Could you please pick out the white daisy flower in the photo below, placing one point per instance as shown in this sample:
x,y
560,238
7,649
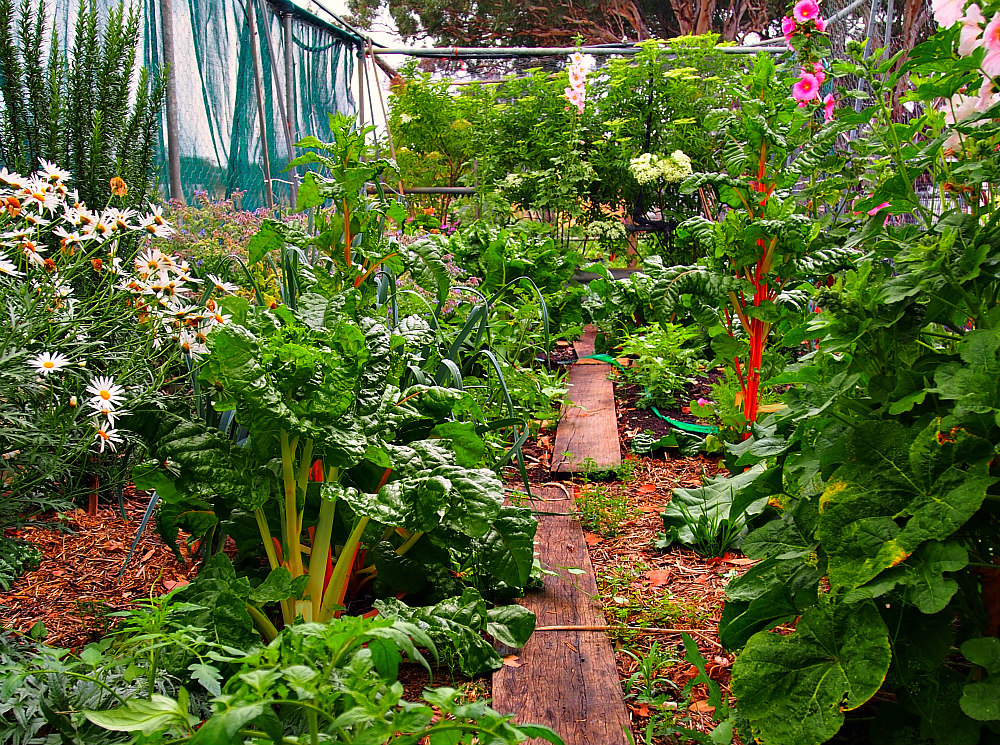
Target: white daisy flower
x,y
219,318
104,389
189,346
154,224
226,288
106,435
106,409
33,252
119,219
153,261
9,268
13,179
52,173
48,362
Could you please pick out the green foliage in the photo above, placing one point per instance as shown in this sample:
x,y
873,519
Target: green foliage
x,y
711,518
77,110
16,557
666,358
884,454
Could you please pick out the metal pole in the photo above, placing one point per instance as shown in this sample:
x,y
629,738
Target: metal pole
x,y
282,112
508,52
173,129
361,87
290,111
259,89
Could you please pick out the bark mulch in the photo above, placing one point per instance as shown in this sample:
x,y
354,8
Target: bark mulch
x,y
76,584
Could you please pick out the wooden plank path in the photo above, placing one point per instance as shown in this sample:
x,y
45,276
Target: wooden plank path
x,y
588,428
564,677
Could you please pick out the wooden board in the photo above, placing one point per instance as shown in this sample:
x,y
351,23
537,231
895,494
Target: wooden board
x,y
588,427
565,679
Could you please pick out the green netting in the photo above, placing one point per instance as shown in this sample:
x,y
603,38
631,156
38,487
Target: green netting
x,y
219,134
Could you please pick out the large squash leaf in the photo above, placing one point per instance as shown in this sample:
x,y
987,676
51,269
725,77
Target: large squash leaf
x,y
794,689
900,490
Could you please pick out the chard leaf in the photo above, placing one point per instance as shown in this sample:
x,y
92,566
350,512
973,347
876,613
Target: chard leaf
x,y
511,624
455,625
506,552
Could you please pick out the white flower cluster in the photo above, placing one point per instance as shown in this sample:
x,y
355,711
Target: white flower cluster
x,y
510,182
41,211
163,288
607,231
647,167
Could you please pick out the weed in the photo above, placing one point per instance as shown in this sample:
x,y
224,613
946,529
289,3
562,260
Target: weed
x,y
603,507
648,684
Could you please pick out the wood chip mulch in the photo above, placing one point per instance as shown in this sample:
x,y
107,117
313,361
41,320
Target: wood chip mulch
x,y
76,584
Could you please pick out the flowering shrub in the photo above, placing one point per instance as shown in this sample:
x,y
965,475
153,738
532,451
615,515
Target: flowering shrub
x,y
89,331
648,168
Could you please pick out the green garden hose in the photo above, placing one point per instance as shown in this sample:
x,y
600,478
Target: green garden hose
x,y
701,429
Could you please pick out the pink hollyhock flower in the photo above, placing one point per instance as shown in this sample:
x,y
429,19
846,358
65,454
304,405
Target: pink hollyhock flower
x,y
820,24
875,210
972,31
991,40
816,69
828,103
788,27
807,89
947,12
805,10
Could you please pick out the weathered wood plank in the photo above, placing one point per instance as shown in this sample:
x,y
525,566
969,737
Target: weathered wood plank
x,y
588,427
567,679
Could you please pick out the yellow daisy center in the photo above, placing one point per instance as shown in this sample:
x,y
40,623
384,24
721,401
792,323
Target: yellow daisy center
x,y
106,395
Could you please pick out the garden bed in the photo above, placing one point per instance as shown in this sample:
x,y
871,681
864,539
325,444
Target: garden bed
x,y
76,586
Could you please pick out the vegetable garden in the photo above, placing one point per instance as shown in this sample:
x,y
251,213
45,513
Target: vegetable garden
x,y
275,475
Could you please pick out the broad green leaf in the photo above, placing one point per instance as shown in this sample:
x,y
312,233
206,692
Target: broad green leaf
x,y
506,551
901,488
156,714
795,689
269,238
510,624
712,505
923,576
981,698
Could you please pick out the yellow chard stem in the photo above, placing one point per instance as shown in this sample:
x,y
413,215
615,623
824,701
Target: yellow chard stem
x,y
305,465
409,543
319,556
337,588
263,623
293,546
287,611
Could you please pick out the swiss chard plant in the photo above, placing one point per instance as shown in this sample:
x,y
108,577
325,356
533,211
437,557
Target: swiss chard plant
x,y
343,483
882,472
760,245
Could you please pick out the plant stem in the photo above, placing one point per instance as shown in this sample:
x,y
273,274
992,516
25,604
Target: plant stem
x,y
319,558
263,623
293,547
333,598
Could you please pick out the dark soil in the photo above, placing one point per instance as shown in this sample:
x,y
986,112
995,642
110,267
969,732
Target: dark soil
x,y
562,355
632,419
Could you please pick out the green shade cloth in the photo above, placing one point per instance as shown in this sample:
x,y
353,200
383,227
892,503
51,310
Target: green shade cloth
x,y
219,133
